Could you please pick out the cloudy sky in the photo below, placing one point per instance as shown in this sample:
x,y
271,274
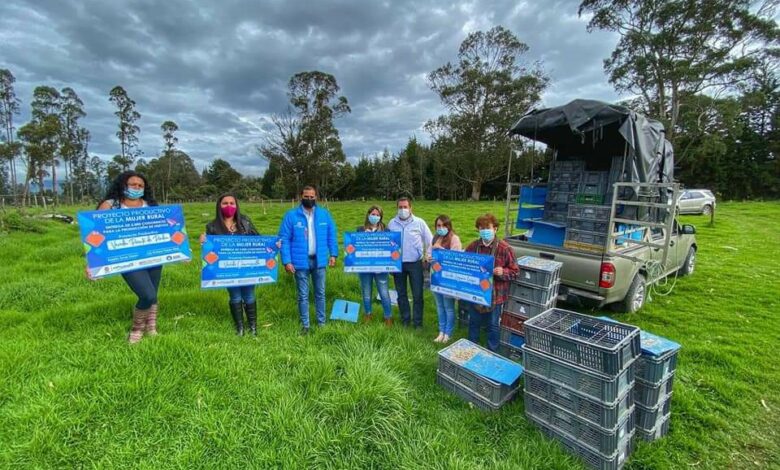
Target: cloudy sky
x,y
220,69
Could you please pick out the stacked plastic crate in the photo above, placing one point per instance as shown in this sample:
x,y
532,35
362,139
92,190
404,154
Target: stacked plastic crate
x,y
579,376
587,227
565,178
653,390
534,291
593,187
483,378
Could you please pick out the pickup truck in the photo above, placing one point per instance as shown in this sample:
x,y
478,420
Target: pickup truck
x,y
596,280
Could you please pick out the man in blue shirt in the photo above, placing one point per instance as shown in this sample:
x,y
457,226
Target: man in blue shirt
x,y
309,243
416,239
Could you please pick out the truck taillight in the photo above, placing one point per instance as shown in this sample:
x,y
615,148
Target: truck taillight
x,y
607,278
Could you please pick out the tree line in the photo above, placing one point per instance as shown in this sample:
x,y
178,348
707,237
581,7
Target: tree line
x,y
707,69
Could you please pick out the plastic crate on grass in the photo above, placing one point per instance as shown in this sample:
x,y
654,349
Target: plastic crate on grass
x,y
511,338
533,294
512,322
482,372
650,395
511,352
602,346
605,441
526,308
594,459
598,386
648,418
658,359
589,211
471,397
594,411
660,430
538,272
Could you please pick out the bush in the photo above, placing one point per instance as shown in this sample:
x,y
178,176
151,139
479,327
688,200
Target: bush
x,y
15,221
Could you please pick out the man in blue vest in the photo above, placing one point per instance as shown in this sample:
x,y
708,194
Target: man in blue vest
x,y
309,243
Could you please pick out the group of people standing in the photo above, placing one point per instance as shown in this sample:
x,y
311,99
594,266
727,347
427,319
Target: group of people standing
x,y
308,246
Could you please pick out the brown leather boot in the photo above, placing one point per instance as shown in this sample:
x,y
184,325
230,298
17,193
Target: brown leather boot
x,y
139,321
367,318
388,322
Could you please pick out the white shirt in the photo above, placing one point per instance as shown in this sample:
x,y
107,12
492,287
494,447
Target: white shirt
x,y
312,237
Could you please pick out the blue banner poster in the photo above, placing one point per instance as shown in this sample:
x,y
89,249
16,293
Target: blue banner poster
x,y
463,275
372,252
122,240
238,260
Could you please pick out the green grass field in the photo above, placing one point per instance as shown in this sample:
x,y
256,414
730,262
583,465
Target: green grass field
x,y
74,394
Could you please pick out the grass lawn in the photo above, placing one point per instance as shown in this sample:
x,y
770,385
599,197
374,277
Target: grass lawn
x,y
74,394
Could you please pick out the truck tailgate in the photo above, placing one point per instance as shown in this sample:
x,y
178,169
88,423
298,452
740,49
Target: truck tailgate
x,y
580,270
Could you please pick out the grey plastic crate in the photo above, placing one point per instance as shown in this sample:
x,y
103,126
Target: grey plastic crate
x,y
654,369
556,207
604,441
589,211
538,271
555,196
648,418
594,459
582,236
537,295
528,309
598,226
489,390
605,347
569,165
510,352
650,395
592,189
553,216
605,389
595,177
512,322
660,430
563,186
596,412
566,175
466,394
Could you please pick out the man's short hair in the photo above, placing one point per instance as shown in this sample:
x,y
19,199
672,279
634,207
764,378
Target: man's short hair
x,y
403,198
309,187
485,220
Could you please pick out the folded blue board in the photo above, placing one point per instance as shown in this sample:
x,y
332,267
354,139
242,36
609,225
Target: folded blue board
x,y
344,310
494,367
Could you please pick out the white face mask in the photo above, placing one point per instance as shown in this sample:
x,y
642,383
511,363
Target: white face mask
x,y
404,213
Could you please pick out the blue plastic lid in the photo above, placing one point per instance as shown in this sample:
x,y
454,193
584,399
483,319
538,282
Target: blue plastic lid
x,y
655,345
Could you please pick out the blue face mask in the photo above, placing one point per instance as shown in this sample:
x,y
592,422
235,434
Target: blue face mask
x,y
442,231
373,219
134,193
487,234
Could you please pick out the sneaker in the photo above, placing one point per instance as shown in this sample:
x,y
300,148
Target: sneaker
x,y
439,338
445,339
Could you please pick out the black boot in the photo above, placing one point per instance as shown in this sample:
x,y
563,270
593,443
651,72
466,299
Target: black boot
x,y
237,312
251,317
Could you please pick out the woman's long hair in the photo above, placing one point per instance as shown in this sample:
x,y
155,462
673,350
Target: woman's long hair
x,y
116,191
220,220
447,222
380,226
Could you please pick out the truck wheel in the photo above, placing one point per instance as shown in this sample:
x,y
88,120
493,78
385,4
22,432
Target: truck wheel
x,y
689,265
635,297
706,210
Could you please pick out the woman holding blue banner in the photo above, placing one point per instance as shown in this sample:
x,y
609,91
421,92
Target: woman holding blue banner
x,y
445,239
374,223
131,190
504,271
230,221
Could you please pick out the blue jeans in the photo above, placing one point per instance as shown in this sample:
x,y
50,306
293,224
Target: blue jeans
x,y
487,321
302,283
144,284
245,293
445,306
414,272
382,286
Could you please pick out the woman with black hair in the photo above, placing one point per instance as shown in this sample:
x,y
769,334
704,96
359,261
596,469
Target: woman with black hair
x,y
230,221
131,190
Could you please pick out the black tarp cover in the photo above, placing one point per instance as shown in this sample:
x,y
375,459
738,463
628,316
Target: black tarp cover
x,y
581,126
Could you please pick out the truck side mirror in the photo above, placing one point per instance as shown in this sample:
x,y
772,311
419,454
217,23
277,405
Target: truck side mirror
x,y
688,229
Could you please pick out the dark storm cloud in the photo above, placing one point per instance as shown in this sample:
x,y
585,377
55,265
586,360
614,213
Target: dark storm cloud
x,y
220,70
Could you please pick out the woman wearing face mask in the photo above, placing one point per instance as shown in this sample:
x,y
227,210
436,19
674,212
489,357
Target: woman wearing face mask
x,y
504,271
130,190
445,239
230,221
373,223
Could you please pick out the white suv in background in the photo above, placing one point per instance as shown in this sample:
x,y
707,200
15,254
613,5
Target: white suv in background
x,y
696,201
